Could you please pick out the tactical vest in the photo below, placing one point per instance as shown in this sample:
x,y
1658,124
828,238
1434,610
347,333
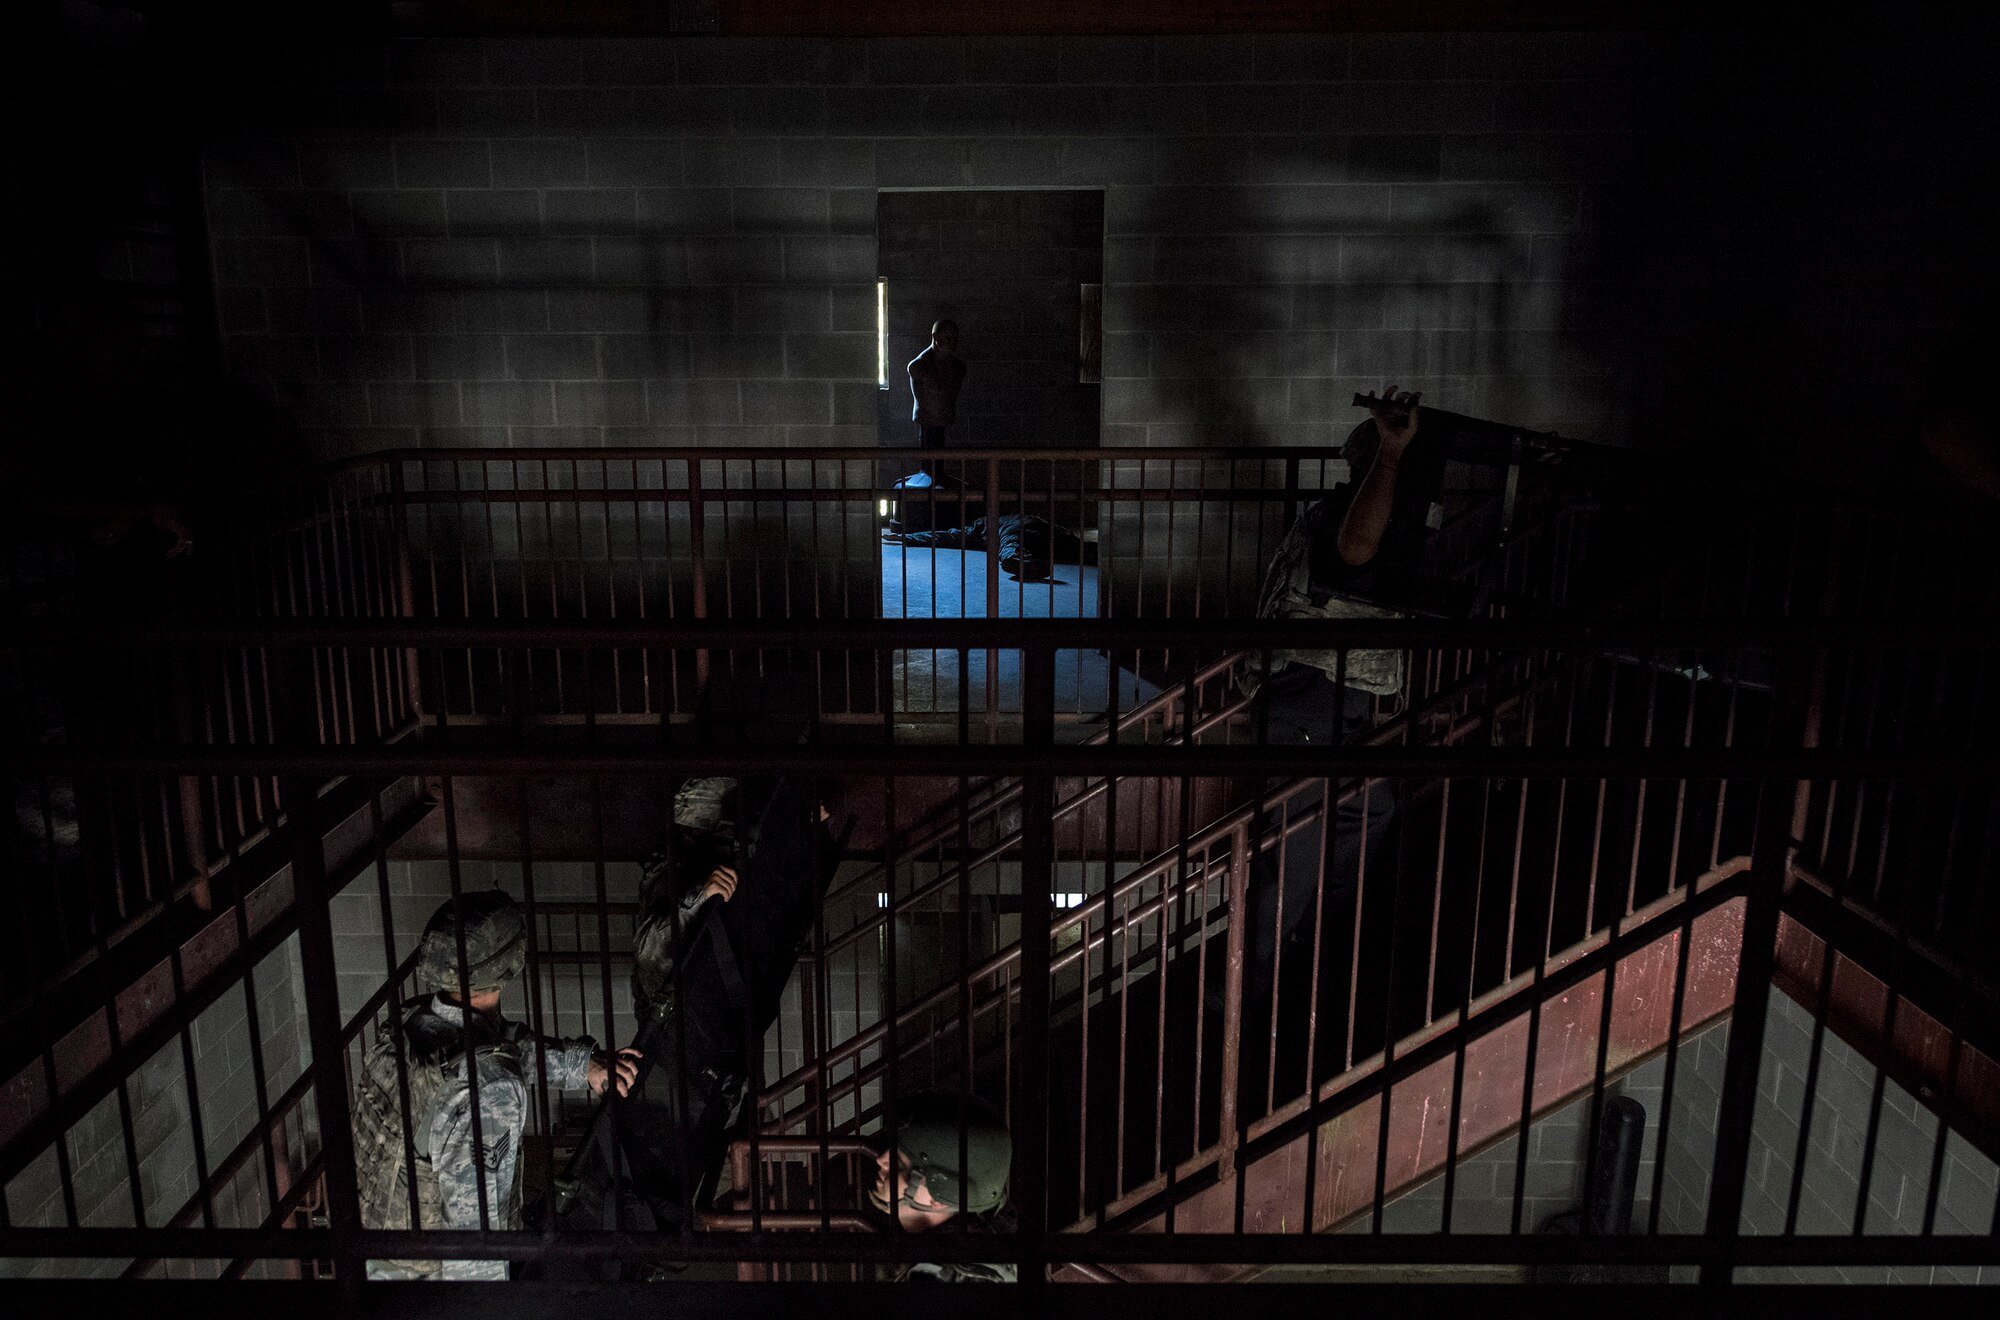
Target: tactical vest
x,y
433,1052
967,1271
1288,594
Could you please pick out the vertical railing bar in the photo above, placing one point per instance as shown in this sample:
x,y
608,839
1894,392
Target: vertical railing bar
x,y
501,659
1097,604
1602,1063
1597,814
1437,904
1037,879
818,604
617,704
1752,995
1389,1017
698,550
346,598
670,843
1235,952
891,1046
1578,668
1161,1160
639,577
1452,1118
1309,1221
1681,958
993,599
196,1129
382,663
459,524
1124,1037
1947,1097
550,488
466,1011
259,1079
1360,909
394,962
816,1025
536,1019
65,1175
1899,958
319,970
1083,1029
1520,838
1282,859
753,1043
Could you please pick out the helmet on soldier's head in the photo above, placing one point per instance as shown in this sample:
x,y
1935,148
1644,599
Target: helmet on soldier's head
x,y
931,1131
704,805
496,943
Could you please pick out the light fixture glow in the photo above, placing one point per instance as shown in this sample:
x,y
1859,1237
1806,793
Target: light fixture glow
x,y
881,332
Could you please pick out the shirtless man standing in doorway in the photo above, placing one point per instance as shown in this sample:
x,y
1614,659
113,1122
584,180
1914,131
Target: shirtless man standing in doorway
x,y
936,376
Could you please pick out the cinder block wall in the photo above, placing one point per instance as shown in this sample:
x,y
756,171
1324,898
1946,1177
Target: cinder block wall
x,y
156,1103
1899,1184
1482,1198
1663,238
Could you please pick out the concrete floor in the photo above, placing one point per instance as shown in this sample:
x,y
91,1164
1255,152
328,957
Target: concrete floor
x,y
926,583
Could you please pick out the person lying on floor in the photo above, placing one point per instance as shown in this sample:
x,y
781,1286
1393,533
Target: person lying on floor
x,y
1030,545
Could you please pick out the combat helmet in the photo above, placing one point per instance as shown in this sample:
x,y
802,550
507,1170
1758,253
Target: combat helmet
x,y
930,1128
496,943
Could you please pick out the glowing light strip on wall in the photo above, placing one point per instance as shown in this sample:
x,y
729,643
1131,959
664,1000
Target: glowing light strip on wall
x,y
881,332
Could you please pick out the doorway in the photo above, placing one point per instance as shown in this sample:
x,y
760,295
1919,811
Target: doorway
x,y
1018,272
1013,269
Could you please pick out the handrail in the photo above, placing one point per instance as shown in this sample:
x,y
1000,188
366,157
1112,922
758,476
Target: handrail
x,y
1005,793
279,1110
850,1049
1382,734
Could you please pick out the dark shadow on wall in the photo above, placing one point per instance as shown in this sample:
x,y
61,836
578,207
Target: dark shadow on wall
x,y
1776,253
1247,309
1256,291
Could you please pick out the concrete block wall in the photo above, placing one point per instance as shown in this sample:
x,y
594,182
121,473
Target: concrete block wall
x,y
1483,1188
1899,1184
163,1130
1658,238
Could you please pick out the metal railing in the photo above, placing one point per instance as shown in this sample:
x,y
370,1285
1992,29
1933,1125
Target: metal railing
x,y
1589,814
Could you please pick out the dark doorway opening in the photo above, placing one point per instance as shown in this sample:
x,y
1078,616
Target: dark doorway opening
x,y
1018,273
1010,268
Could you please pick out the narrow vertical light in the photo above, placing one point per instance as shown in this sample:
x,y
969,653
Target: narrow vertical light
x,y
881,332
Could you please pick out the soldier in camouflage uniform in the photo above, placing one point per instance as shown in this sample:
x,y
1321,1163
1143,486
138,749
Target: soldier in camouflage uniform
x,y
722,919
704,845
1361,542
464,1171
923,1182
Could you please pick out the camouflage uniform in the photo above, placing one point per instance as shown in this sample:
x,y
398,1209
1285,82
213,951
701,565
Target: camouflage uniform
x,y
1288,591
931,1130
431,1035
704,836
967,1271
